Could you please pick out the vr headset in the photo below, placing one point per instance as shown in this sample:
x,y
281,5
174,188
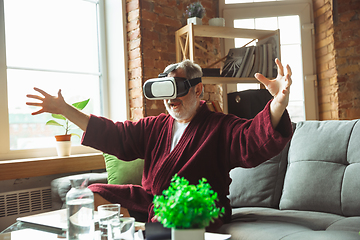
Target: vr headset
x,y
165,87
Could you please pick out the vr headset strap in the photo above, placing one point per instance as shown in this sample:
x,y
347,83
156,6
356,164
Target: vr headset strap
x,y
164,74
190,82
193,82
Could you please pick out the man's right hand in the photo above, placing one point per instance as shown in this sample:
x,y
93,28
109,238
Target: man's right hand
x,y
50,104
57,105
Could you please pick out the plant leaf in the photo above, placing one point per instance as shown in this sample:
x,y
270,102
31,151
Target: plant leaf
x,y
74,134
58,116
81,105
54,123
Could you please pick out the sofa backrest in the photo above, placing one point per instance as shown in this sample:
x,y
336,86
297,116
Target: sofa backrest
x,y
260,186
323,171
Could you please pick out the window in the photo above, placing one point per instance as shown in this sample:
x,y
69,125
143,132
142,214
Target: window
x,y
58,44
293,19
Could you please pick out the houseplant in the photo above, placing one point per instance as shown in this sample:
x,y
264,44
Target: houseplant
x,y
183,206
63,142
195,12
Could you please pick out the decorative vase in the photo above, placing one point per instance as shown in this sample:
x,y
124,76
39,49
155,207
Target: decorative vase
x,y
194,20
186,234
220,22
63,145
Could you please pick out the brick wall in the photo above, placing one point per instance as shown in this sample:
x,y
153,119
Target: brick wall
x,y
337,27
151,44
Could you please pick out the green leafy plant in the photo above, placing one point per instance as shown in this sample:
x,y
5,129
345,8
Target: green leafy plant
x,y
66,123
195,10
184,206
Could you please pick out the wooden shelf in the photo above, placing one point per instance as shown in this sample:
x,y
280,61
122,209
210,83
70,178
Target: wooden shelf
x,y
225,32
185,37
185,48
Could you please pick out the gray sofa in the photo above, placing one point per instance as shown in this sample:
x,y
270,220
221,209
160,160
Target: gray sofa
x,y
311,190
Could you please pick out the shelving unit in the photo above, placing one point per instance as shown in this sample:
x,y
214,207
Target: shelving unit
x,y
185,47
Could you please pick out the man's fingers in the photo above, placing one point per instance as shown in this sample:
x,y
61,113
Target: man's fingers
x,y
38,112
41,91
261,78
288,70
288,84
280,67
289,80
35,97
34,104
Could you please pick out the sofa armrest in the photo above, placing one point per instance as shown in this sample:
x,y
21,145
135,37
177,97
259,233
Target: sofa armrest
x,y
60,186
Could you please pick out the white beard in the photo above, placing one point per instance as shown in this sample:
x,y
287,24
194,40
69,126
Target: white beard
x,y
185,110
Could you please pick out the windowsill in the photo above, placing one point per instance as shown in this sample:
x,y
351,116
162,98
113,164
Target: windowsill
x,y
34,167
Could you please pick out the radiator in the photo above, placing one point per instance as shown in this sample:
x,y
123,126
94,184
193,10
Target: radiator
x,y
22,203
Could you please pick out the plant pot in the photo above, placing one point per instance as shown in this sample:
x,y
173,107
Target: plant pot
x,y
194,20
220,22
186,234
63,145
61,138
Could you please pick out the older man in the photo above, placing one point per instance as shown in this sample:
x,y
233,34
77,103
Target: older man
x,y
191,141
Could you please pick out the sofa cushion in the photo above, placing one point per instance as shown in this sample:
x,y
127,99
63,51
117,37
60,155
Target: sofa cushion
x,y
274,224
123,172
260,186
323,169
316,221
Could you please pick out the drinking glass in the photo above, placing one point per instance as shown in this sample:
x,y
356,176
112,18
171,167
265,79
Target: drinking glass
x,y
122,229
107,213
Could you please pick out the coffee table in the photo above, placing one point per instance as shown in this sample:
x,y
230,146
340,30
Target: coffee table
x,y
21,231
29,234
49,225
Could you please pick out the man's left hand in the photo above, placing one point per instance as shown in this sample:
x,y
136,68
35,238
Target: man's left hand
x,y
279,89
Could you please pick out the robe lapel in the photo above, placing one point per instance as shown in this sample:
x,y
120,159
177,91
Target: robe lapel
x,y
170,163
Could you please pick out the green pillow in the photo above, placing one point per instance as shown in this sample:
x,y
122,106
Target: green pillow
x,y
123,172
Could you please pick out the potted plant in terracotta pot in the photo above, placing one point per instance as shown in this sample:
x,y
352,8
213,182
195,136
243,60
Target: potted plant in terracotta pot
x,y
63,142
187,209
195,12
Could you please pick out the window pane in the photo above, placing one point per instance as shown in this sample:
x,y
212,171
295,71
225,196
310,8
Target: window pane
x,y
269,23
244,23
290,29
27,131
291,54
59,38
56,34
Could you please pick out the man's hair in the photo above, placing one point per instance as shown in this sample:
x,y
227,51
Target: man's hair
x,y
191,69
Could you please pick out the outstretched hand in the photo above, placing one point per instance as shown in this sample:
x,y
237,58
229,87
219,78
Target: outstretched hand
x,y
49,103
279,87
57,105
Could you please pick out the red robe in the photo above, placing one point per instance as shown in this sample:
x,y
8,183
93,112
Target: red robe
x,y
211,145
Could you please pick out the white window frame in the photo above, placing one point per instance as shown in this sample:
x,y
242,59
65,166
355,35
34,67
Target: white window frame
x,y
303,8
113,62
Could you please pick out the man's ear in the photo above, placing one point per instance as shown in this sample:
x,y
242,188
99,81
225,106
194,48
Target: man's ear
x,y
198,89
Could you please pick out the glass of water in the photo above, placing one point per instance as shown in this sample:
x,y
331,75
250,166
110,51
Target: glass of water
x,y
122,229
107,213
